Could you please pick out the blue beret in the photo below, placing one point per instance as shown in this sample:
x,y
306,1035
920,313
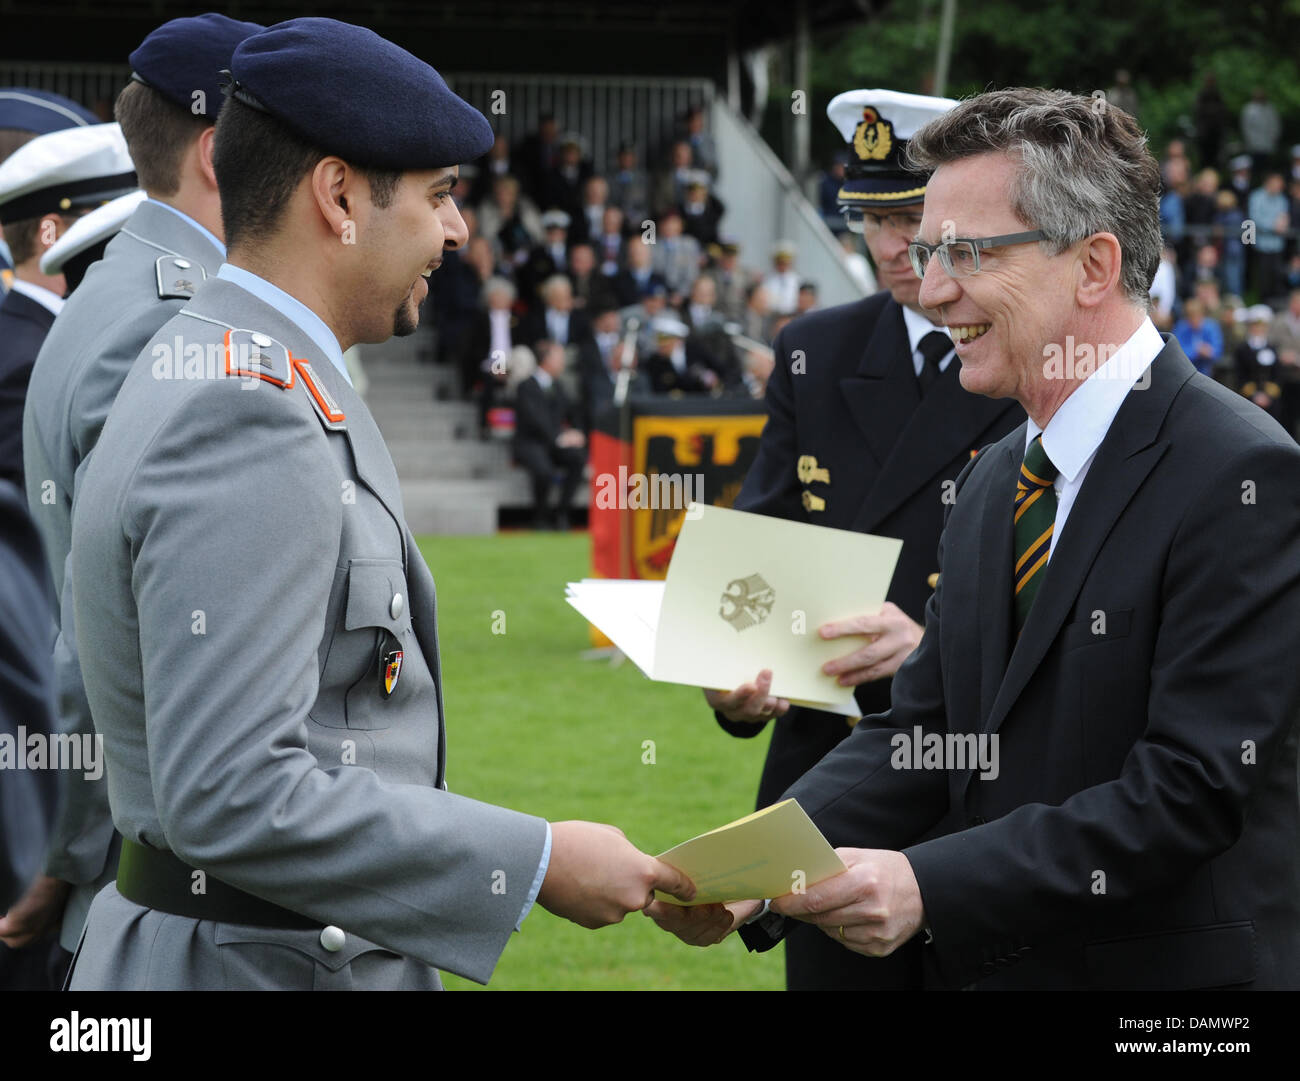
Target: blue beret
x,y
186,55
350,92
40,112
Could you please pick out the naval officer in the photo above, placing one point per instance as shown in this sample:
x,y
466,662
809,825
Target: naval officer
x,y
24,114
44,187
170,244
256,624
867,428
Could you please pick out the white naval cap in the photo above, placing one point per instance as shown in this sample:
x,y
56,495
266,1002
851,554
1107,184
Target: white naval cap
x,y
100,224
65,170
876,125
665,326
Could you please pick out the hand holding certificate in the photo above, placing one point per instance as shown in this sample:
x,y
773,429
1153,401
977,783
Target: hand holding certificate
x,y
771,853
745,592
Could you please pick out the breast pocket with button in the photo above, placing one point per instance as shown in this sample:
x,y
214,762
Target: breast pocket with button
x,y
367,674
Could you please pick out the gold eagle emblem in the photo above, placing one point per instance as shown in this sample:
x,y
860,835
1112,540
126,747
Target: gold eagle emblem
x,y
873,139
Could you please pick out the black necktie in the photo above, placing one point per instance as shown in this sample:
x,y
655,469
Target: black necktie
x,y
934,347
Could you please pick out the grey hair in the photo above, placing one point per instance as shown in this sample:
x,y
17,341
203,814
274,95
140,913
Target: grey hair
x,y
498,285
1084,169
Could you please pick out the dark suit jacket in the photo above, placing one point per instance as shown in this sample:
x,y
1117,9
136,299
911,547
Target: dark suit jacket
x,y
854,406
1141,829
23,326
541,416
533,328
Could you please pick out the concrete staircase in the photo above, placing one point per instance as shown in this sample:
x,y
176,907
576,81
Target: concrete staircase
x,y
452,481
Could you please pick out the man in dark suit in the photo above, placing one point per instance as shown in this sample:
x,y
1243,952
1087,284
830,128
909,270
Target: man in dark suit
x,y
1115,628
548,436
868,425
555,317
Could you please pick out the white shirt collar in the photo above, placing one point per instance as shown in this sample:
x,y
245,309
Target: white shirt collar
x,y
50,301
918,326
1080,424
543,377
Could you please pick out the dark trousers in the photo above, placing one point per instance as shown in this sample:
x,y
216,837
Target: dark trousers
x,y
545,464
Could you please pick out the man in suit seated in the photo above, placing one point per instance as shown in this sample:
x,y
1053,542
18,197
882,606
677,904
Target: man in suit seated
x,y
1101,716
555,318
548,436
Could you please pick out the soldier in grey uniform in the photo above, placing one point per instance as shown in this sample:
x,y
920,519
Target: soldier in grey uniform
x,y
165,251
257,627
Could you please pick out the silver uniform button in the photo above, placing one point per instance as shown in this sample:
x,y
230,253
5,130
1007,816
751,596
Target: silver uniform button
x,y
332,938
184,264
260,340
395,609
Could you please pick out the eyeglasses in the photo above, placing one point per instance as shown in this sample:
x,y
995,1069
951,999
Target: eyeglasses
x,y
960,257
859,221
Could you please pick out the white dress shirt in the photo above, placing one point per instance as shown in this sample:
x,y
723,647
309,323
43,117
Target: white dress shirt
x,y
918,326
1078,427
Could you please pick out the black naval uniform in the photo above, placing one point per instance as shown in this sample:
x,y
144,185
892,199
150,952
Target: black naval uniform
x,y
23,325
851,443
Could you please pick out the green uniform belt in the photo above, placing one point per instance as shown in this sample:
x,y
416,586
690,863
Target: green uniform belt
x,y
156,879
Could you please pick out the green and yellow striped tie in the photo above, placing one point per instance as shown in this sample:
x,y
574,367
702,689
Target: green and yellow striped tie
x,y
1035,515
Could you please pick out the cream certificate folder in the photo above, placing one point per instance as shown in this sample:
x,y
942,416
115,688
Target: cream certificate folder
x,y
766,854
746,592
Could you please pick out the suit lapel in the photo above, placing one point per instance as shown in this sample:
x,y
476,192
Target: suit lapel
x,y
945,425
1125,459
993,562
883,392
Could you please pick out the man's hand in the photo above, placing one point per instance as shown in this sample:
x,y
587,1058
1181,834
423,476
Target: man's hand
x,y
36,913
750,702
702,925
570,437
872,908
891,636
596,876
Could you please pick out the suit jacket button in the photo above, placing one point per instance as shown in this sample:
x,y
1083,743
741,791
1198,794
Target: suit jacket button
x,y
333,938
395,609
988,968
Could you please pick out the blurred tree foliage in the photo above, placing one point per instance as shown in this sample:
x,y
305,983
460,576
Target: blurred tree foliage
x,y
1167,46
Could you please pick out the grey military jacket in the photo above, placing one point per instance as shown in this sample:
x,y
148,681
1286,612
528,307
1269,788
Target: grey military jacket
x,y
242,575
148,272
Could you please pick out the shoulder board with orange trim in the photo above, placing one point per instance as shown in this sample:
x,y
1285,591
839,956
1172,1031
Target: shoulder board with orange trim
x,y
321,399
250,354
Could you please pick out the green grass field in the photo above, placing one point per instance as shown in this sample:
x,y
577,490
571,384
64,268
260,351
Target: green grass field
x,y
532,726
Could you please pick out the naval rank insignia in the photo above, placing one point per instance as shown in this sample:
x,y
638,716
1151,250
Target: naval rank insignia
x,y
390,669
808,470
873,138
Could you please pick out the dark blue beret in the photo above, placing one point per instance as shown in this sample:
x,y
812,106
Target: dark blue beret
x,y
350,92
40,112
185,55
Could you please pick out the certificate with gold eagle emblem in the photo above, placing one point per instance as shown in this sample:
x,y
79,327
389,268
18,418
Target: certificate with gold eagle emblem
x,y
746,592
